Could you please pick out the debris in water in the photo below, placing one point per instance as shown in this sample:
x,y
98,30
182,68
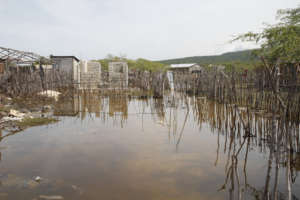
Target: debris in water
x,y
55,197
37,179
15,113
7,119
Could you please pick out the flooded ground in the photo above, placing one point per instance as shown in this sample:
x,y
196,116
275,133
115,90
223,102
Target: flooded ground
x,y
118,147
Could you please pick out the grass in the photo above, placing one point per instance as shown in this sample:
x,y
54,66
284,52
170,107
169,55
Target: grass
x,y
28,122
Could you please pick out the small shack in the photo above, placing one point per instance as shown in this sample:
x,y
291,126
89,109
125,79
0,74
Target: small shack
x,y
69,65
186,68
118,74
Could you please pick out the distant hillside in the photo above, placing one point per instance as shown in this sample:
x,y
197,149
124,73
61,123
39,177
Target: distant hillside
x,y
238,56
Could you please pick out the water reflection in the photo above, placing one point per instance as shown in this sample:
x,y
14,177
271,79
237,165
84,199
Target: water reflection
x,y
244,132
243,140
247,131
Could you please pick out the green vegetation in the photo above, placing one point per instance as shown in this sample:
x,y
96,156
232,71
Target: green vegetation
x,y
143,64
240,66
280,42
139,64
240,60
280,52
28,122
104,64
243,57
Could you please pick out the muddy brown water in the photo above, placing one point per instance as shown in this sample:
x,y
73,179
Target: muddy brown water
x,y
123,148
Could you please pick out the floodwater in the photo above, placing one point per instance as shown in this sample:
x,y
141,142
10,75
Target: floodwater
x,y
118,147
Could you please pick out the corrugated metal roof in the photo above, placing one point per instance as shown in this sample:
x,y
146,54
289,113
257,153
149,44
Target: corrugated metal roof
x,y
186,65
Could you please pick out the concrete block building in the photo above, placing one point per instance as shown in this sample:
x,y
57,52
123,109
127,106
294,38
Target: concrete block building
x,y
90,75
118,74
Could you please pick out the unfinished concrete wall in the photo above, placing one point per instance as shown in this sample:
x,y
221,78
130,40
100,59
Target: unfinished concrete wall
x,y
118,74
90,75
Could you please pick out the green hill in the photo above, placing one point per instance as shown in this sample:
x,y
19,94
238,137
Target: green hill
x,y
230,57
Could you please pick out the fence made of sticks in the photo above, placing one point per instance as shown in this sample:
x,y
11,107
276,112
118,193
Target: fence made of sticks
x,y
253,89
28,81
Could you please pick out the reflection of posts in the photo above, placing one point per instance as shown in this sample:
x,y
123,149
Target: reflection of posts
x,y
271,135
67,106
118,104
90,103
182,129
172,122
158,108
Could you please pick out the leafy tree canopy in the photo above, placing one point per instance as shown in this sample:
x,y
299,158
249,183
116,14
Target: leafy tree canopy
x,y
279,42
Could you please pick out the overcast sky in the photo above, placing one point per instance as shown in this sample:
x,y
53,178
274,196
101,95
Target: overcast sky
x,y
151,29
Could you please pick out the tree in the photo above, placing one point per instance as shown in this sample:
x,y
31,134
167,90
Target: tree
x,y
280,45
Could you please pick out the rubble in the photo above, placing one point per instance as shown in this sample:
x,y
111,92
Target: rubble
x,y
16,114
14,120
13,115
7,119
